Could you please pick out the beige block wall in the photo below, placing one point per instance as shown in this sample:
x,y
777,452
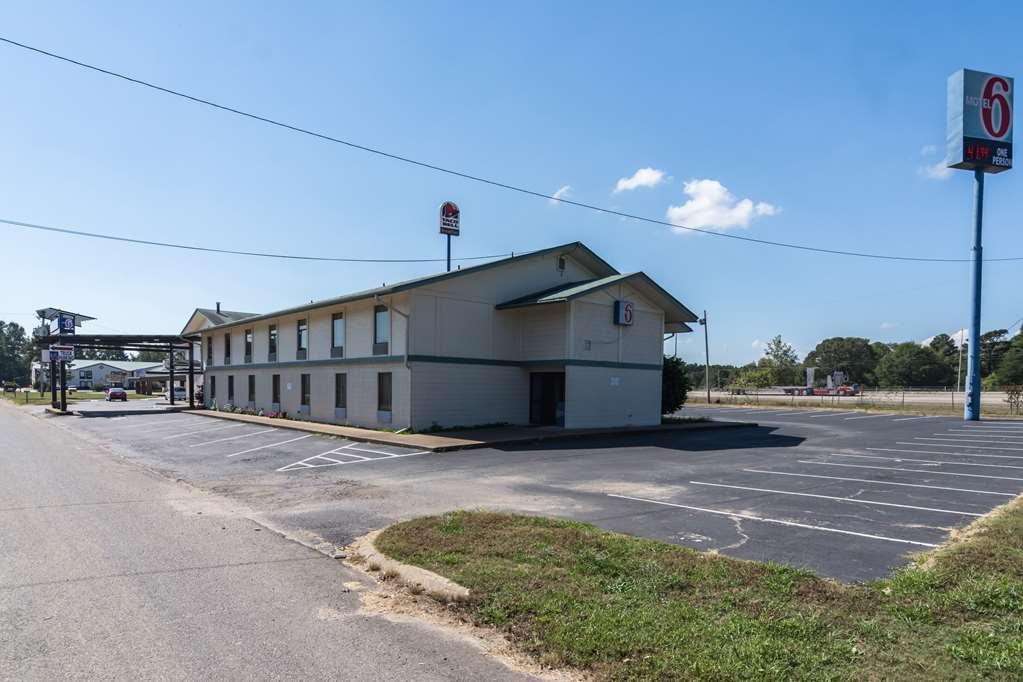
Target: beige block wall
x,y
593,321
591,401
466,395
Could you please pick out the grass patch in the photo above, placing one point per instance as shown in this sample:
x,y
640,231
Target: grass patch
x,y
678,419
626,608
34,397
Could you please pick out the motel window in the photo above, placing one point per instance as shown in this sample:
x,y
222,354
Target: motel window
x,y
230,389
341,390
337,335
248,345
381,329
384,392
275,389
213,388
271,345
305,390
209,351
303,339
252,388
227,349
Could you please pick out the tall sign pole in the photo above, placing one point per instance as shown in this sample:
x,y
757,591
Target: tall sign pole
x,y
979,139
450,219
706,355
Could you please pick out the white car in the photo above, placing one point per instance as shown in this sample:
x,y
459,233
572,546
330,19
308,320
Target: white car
x,y
179,393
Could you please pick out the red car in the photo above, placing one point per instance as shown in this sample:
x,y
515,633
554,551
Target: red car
x,y
117,393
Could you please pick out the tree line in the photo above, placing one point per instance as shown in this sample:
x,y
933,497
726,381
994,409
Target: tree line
x,y
875,363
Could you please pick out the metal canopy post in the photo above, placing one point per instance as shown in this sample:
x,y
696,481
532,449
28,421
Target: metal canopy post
x,y
191,375
170,384
971,410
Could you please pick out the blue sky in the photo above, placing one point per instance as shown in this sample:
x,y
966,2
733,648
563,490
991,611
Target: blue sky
x,y
824,117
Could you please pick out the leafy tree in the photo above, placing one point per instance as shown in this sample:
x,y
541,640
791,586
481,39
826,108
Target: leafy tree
x,y
782,360
993,345
15,353
757,377
852,355
1010,369
912,365
945,346
674,385
150,356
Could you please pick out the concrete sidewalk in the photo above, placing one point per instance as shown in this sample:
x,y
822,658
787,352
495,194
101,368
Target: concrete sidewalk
x,y
464,439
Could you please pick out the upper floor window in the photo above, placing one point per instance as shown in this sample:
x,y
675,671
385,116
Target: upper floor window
x,y
227,349
381,329
271,346
209,350
337,335
248,345
302,329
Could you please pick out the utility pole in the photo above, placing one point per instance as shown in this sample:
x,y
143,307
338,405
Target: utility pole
x,y
706,355
959,371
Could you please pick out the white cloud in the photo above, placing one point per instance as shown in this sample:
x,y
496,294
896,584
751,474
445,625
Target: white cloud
x,y
935,171
928,149
564,193
888,325
958,336
711,206
757,343
644,177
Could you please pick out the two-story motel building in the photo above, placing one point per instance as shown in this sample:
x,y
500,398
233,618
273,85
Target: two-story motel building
x,y
553,337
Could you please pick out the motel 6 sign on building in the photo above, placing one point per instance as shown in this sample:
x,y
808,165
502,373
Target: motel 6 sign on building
x,y
979,121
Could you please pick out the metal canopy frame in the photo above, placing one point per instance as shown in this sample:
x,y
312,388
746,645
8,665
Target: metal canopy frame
x,y
163,343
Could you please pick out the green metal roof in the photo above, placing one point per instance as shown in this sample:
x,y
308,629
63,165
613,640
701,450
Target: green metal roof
x,y
588,257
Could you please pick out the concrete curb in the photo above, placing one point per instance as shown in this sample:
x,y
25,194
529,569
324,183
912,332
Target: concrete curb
x,y
126,412
57,412
436,586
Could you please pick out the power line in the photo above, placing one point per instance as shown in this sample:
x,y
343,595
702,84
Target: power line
x,y
190,247
481,179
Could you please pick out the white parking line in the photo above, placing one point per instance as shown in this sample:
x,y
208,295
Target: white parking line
x,y
941,452
967,433
782,522
221,440
956,445
344,451
914,471
870,416
870,480
996,425
840,499
906,419
962,439
271,445
929,461
375,452
833,414
192,433
800,412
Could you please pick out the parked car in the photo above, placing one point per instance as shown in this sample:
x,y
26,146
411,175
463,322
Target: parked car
x,y
116,393
179,393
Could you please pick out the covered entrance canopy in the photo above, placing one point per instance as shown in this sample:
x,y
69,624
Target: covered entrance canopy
x,y
164,343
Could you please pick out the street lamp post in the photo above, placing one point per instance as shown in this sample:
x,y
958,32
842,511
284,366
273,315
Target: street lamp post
x,y
706,354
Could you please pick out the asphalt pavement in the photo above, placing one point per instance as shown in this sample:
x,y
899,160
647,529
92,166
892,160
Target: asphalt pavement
x,y
845,494
109,570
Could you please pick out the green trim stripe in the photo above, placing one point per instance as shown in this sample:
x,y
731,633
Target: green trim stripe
x,y
445,359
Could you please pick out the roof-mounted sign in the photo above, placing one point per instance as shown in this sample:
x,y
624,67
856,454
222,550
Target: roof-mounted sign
x,y
450,217
979,121
623,312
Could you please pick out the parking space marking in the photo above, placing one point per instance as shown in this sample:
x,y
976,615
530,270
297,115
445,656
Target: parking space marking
x,y
942,452
929,461
962,439
966,433
871,480
840,499
956,445
800,412
271,445
192,433
906,419
832,414
915,471
221,440
870,416
346,451
782,522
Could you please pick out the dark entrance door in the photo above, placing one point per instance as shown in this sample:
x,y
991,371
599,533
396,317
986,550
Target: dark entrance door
x,y
547,398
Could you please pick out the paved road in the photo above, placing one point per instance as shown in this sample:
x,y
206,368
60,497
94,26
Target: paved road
x,y
108,571
845,494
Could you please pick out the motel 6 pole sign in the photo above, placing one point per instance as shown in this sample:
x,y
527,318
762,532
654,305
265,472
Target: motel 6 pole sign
x,y
979,139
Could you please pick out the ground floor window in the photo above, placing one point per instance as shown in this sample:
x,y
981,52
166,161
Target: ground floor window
x,y
252,388
340,390
213,388
275,383
230,389
384,392
305,390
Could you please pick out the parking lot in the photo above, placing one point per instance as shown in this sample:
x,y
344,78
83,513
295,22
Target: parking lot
x,y
842,493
